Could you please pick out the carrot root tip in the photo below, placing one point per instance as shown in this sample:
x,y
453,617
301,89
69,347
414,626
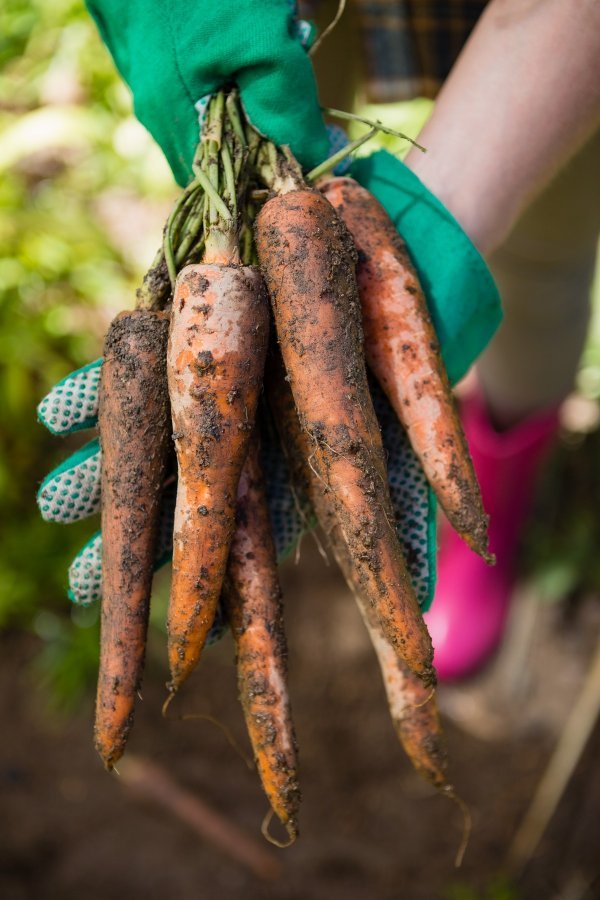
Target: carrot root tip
x,y
109,755
449,792
480,547
290,826
424,702
168,701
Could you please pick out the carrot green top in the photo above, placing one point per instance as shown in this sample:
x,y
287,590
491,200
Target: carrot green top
x,y
172,53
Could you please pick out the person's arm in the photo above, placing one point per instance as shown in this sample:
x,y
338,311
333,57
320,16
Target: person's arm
x,y
523,96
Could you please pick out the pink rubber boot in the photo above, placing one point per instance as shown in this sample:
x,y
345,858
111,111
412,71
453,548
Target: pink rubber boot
x,y
471,601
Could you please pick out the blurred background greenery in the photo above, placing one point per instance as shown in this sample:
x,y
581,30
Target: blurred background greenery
x,y
83,194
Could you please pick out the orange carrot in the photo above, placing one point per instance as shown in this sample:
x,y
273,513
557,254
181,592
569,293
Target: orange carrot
x,y
134,434
402,350
412,705
252,599
308,261
217,346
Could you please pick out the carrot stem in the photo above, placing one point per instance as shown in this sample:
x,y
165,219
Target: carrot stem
x,y
230,190
327,31
373,123
154,290
213,195
192,232
233,117
333,161
213,127
218,175
168,250
279,171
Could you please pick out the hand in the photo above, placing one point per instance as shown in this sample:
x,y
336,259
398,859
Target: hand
x,y
172,54
71,492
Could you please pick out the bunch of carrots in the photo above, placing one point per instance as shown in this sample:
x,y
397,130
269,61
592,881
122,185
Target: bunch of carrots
x,y
268,297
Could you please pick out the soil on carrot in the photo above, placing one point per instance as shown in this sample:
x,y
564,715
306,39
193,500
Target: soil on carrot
x,y
156,287
253,602
135,433
215,368
412,375
306,252
369,827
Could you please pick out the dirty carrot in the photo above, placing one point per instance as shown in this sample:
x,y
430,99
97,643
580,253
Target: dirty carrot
x,y
308,260
217,347
252,598
216,355
402,350
412,704
414,710
134,435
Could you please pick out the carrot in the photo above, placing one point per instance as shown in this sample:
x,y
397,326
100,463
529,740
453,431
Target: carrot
x,y
252,598
134,435
217,346
307,257
412,704
402,350
413,708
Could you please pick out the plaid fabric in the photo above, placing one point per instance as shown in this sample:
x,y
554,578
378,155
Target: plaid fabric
x,y
411,45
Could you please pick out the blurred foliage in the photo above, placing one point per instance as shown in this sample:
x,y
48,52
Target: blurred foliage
x,y
560,552
407,118
560,546
499,889
67,665
83,193
77,174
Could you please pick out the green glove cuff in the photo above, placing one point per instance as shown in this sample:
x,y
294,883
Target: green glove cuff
x,y
173,52
461,293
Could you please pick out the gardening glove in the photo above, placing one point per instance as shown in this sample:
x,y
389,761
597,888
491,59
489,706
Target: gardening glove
x,y
174,53
71,492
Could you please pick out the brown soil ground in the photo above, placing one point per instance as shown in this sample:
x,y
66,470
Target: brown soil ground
x,y
370,829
